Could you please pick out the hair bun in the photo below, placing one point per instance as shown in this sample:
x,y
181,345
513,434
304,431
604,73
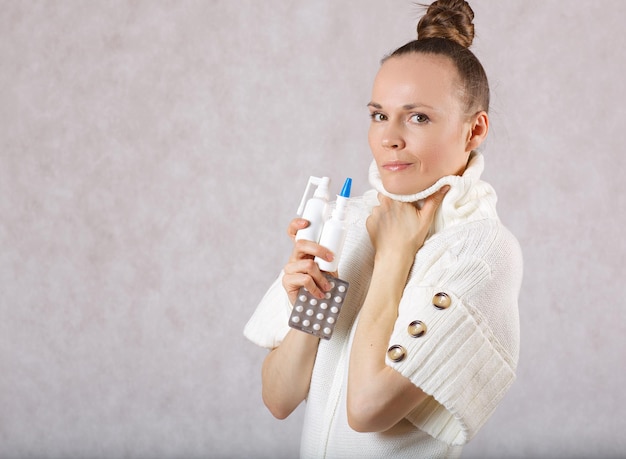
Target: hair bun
x,y
450,19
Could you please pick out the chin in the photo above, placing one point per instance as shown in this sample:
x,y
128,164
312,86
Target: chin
x,y
402,188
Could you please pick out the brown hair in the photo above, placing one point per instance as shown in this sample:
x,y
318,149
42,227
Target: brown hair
x,y
447,30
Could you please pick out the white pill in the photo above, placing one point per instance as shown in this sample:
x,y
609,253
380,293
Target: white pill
x,y
295,319
320,316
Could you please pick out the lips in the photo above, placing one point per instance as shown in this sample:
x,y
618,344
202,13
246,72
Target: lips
x,y
396,166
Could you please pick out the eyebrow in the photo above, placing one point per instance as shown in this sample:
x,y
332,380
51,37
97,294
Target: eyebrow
x,y
406,107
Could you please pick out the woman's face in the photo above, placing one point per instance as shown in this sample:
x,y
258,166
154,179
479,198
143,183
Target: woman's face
x,y
419,131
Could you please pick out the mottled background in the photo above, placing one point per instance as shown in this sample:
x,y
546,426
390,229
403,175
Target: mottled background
x,y
153,152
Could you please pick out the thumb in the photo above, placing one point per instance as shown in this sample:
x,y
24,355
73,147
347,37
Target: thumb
x,y
432,202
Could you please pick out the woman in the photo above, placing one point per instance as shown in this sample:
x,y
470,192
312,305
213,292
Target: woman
x,y
427,341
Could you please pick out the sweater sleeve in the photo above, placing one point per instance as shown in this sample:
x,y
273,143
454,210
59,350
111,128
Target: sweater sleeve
x,y
452,352
269,323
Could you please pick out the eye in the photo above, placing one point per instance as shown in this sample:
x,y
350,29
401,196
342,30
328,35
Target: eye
x,y
377,117
419,118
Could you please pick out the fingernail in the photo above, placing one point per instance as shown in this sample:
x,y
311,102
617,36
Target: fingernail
x,y
445,189
330,256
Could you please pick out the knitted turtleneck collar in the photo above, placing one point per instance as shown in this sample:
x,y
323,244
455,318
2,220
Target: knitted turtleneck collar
x,y
468,199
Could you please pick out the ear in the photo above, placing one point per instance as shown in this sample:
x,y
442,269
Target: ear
x,y
479,127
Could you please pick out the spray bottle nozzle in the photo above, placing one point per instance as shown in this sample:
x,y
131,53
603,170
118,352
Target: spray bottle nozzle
x,y
345,191
321,191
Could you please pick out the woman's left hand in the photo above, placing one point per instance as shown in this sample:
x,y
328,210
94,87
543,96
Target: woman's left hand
x,y
399,227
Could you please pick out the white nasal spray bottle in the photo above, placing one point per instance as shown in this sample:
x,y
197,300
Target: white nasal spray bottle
x,y
315,209
334,231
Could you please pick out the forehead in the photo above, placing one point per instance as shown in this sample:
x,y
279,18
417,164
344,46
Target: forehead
x,y
417,78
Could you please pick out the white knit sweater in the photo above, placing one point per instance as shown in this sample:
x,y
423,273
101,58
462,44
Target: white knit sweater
x,y
467,358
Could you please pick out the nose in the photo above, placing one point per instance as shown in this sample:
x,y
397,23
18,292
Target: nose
x,y
392,138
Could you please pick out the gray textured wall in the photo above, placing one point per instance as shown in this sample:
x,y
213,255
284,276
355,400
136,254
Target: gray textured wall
x,y
152,153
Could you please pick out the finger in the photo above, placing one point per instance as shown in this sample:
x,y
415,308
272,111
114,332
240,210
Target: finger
x,y
308,282
309,249
310,268
432,202
303,274
306,266
295,225
383,200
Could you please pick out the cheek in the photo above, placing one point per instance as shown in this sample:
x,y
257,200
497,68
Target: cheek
x,y
373,141
437,156
432,149
446,156
447,142
433,159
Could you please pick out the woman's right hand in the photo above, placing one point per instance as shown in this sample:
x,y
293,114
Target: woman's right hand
x,y
301,270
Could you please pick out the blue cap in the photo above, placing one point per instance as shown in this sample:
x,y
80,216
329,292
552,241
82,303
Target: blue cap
x,y
345,191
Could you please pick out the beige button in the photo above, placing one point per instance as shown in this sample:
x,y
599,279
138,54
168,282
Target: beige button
x,y
417,328
396,353
441,301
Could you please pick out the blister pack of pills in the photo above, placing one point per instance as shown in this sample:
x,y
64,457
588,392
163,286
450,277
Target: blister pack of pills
x,y
315,316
